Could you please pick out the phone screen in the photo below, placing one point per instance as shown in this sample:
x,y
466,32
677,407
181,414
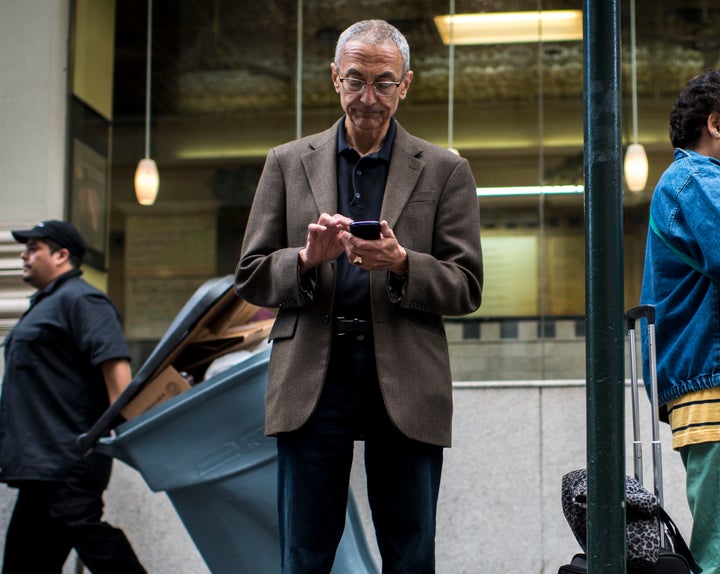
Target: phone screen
x,y
366,229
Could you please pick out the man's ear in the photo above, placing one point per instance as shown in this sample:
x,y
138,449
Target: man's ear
x,y
61,256
334,74
405,84
713,124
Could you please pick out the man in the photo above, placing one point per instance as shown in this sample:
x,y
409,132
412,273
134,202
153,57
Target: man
x,y
65,360
359,347
681,280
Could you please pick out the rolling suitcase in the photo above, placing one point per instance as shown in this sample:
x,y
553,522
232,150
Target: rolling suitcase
x,y
673,556
668,563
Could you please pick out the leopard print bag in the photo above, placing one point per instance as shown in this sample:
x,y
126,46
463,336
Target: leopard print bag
x,y
643,523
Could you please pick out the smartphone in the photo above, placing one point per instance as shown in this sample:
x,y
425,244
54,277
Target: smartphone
x,y
366,229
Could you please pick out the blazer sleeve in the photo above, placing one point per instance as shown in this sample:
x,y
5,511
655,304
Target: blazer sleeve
x,y
267,272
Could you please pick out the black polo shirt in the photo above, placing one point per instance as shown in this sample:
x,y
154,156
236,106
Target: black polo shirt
x,y
53,387
361,187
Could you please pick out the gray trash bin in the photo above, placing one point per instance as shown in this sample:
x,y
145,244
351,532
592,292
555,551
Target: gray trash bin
x,y
206,448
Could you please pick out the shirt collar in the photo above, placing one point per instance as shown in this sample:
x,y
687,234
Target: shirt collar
x,y
54,285
683,152
386,148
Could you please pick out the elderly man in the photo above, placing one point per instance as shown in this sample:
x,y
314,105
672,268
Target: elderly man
x,y
359,346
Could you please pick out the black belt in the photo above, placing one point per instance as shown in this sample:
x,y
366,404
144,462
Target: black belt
x,y
344,326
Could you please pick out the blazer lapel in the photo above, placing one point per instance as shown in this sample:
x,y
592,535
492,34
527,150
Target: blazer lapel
x,y
323,181
405,169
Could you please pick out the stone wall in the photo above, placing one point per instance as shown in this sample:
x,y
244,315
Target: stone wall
x,y
500,496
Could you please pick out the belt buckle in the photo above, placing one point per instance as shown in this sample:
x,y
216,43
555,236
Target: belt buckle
x,y
354,326
341,333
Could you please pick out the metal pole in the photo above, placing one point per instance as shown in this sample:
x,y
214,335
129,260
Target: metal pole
x,y
299,66
451,78
148,77
605,357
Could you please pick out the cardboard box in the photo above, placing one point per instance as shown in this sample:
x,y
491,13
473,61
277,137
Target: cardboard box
x,y
169,383
231,324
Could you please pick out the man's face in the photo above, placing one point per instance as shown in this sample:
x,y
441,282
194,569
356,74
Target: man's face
x,y
368,111
40,267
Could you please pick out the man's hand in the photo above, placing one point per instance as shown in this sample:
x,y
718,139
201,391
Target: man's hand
x,y
324,240
377,254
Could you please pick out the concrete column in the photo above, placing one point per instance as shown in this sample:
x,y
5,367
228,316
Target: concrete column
x,y
33,104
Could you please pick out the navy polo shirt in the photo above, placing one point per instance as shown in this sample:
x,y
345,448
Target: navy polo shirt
x,y
53,387
361,187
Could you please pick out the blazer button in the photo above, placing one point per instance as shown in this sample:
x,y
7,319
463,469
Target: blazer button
x,y
325,319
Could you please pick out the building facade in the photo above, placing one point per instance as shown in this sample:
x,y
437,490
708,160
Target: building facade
x,y
231,80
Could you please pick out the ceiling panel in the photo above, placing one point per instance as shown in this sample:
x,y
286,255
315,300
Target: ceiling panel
x,y
224,58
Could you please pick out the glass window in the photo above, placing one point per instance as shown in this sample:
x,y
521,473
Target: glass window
x,y
225,89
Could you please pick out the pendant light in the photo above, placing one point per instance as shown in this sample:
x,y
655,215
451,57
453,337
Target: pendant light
x,y
636,162
147,179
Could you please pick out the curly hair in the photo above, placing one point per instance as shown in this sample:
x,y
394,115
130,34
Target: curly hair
x,y
699,99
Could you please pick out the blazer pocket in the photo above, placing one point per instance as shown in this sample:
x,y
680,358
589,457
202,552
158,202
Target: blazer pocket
x,y
284,326
428,321
423,197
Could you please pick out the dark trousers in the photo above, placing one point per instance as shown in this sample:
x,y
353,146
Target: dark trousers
x,y
51,518
403,475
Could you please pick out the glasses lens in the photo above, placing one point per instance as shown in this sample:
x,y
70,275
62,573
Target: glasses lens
x,y
385,88
353,86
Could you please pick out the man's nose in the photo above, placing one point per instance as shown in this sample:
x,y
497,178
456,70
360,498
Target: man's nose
x,y
368,95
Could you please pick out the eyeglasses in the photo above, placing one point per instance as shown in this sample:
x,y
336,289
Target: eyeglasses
x,y
355,86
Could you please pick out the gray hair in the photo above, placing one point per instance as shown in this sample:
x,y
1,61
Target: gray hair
x,y
374,32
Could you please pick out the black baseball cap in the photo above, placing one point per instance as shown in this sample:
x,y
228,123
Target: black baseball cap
x,y
61,232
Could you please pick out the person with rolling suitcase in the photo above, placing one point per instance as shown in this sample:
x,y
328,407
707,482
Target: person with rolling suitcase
x,y
682,282
654,543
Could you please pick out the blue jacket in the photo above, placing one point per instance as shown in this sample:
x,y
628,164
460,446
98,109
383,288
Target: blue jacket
x,y
682,271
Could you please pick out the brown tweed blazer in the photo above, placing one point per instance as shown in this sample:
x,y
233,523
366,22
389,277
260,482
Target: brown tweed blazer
x,y
431,205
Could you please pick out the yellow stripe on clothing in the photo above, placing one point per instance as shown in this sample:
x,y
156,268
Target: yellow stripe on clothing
x,y
695,417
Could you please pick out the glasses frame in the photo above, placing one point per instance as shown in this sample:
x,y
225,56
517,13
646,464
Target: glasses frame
x,y
373,84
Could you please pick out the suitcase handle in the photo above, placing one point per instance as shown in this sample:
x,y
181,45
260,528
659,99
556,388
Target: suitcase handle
x,y
632,315
640,312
